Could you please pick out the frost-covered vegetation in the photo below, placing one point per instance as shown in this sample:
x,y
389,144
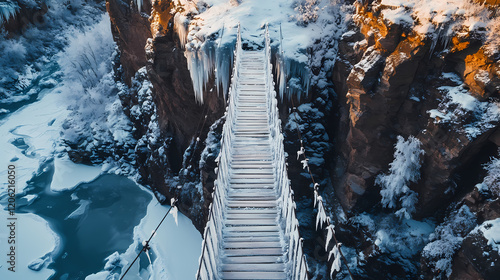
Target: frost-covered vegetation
x,y
491,182
404,170
458,106
28,61
446,240
96,124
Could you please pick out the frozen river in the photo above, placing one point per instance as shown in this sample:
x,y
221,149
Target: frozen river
x,y
74,221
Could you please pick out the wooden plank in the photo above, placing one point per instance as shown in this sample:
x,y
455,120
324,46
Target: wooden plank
x,y
251,244
251,164
264,238
253,172
251,181
252,195
267,234
254,267
250,203
251,216
255,211
251,199
252,176
252,259
247,275
251,222
253,229
249,161
255,156
249,192
254,252
253,187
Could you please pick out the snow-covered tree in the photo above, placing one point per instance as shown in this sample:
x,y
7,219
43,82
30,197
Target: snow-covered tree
x,y
404,169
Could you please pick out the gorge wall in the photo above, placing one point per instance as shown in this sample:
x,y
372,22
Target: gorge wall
x,y
146,39
389,81
393,81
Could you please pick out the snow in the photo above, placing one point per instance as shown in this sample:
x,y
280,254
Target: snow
x,y
67,174
370,58
404,170
35,241
491,231
457,105
460,96
441,20
404,239
211,35
398,16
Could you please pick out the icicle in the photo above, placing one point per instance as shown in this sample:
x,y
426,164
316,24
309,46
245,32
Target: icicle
x,y
315,198
139,4
321,216
8,9
180,28
336,262
300,152
330,232
149,258
174,210
304,163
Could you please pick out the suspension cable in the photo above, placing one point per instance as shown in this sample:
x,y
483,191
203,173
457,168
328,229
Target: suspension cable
x,y
145,246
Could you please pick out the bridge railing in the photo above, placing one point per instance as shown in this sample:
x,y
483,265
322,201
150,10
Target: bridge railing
x,y
209,262
295,258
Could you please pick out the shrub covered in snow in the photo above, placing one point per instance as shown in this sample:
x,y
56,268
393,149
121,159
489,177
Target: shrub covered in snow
x,y
96,124
404,170
307,11
446,240
491,182
28,60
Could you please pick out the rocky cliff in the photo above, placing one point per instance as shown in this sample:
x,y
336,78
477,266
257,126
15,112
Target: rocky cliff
x,y
146,39
441,88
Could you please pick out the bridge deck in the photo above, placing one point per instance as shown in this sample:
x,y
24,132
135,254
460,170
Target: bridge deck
x,y
252,238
